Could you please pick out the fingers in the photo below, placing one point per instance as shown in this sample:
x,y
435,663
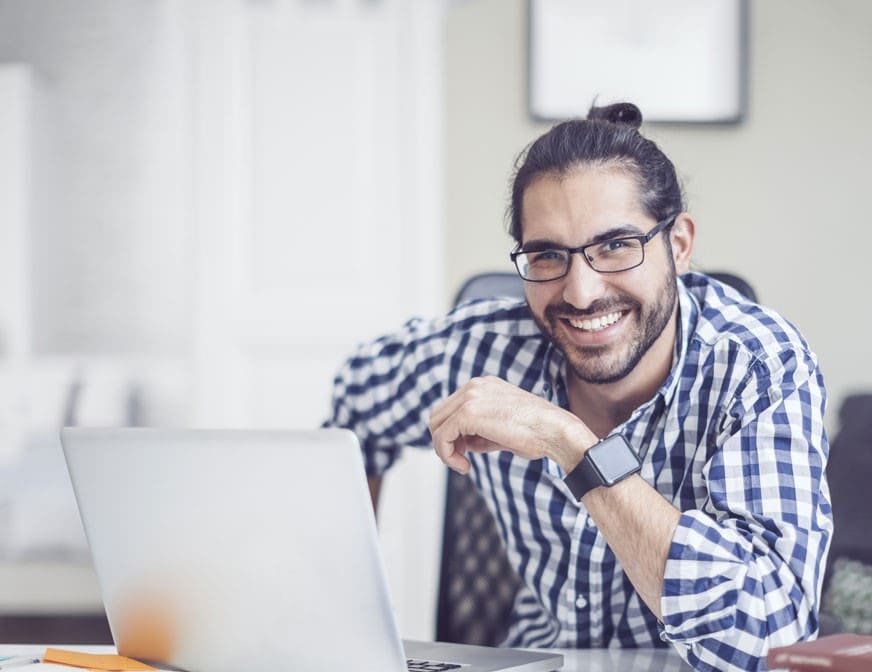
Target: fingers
x,y
458,462
471,420
451,404
457,459
488,414
477,444
450,446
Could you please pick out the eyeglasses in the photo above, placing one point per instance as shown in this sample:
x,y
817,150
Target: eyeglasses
x,y
609,256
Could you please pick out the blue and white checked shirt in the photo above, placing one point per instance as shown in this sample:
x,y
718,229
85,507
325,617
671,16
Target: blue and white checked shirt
x,y
734,439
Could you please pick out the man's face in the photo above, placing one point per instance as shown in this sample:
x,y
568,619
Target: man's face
x,y
604,323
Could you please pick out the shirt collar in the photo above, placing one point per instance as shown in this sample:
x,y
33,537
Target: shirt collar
x,y
688,314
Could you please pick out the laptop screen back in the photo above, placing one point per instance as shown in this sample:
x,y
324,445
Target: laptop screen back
x,y
221,550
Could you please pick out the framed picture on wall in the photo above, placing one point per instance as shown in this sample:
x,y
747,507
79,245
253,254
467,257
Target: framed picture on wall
x,y
678,60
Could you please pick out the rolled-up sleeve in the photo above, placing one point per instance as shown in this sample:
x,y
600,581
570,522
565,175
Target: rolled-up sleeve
x,y
745,569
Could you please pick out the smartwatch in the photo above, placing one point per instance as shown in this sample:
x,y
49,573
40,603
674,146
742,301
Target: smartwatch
x,y
605,463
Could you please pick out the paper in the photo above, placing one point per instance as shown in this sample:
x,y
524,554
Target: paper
x,y
93,661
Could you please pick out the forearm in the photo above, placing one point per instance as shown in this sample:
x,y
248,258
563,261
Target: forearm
x,y
638,524
717,586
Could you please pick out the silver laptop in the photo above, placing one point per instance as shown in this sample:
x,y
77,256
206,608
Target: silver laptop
x,y
228,550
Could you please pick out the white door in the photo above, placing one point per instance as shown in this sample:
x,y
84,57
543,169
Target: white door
x,y
317,127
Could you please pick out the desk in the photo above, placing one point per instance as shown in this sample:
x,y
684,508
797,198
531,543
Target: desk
x,y
575,660
623,660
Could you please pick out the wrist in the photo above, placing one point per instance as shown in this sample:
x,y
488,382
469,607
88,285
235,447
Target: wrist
x,y
575,442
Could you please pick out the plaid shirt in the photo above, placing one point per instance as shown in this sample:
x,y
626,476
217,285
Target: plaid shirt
x,y
734,439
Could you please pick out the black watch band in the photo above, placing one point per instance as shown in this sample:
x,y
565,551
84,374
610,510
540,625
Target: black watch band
x,y
605,463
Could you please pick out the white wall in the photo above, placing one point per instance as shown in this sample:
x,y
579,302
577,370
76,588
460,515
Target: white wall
x,y
781,198
110,232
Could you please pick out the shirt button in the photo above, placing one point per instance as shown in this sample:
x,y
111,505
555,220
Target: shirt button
x,y
590,522
580,602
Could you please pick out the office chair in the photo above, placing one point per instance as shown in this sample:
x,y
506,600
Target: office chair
x,y
477,585
509,284
491,285
736,282
847,595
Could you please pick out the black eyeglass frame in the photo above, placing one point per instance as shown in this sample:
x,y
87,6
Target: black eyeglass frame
x,y
644,238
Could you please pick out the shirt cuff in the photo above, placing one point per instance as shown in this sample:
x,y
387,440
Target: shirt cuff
x,y
704,572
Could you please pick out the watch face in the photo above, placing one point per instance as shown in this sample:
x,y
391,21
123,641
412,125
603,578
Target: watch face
x,y
614,459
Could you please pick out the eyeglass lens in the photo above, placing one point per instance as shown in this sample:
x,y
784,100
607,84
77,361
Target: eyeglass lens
x,y
609,257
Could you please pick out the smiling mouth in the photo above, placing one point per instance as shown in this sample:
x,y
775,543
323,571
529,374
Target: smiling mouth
x,y
596,323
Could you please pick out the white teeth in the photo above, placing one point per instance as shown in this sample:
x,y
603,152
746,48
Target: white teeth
x,y
596,323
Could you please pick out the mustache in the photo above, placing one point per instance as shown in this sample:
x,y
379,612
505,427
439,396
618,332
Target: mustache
x,y
563,309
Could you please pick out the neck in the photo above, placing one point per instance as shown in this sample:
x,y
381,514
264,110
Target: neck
x,y
605,406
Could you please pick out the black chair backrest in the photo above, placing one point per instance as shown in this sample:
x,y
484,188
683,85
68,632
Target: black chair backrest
x,y
845,604
502,283
490,285
849,472
736,282
477,585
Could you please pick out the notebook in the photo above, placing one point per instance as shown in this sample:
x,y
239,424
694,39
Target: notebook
x,y
229,550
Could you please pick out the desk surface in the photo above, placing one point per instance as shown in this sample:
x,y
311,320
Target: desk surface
x,y
575,660
625,660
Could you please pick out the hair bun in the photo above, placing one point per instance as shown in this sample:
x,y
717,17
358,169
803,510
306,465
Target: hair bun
x,y
622,114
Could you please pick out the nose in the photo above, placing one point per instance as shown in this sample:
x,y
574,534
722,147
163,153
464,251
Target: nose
x,y
582,285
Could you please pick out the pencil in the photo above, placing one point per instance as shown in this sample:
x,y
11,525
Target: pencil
x,y
18,661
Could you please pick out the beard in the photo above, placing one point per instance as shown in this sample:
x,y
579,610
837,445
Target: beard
x,y
602,364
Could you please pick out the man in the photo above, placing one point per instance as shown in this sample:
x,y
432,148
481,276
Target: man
x,y
652,442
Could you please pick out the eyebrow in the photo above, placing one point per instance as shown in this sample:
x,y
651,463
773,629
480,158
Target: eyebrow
x,y
538,244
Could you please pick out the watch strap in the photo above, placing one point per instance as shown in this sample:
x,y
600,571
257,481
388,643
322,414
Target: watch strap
x,y
601,465
583,478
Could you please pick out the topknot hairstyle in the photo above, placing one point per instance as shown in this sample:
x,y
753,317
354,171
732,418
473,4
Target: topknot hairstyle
x,y
621,114
608,137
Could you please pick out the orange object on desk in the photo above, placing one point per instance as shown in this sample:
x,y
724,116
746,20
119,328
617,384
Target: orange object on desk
x,y
94,661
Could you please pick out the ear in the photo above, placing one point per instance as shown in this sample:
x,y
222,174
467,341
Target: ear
x,y
681,237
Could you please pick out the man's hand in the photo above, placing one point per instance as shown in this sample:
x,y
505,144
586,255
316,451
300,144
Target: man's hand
x,y
490,414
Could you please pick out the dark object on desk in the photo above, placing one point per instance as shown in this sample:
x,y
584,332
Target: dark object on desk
x,y
477,585
848,584
68,628
836,653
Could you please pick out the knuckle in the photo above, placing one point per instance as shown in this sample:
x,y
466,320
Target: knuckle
x,y
474,385
468,408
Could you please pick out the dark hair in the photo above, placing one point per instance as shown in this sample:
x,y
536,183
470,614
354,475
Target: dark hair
x,y
609,137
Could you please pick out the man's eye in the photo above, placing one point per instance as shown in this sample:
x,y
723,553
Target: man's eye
x,y
545,256
613,246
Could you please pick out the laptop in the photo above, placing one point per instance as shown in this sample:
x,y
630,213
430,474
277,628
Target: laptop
x,y
228,550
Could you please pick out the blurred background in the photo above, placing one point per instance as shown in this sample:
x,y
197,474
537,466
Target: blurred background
x,y
204,205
